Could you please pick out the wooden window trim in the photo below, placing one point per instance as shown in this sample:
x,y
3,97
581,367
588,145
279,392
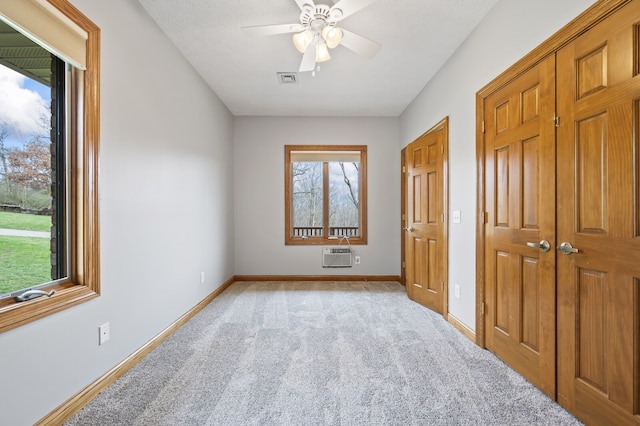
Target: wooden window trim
x,y
324,240
83,282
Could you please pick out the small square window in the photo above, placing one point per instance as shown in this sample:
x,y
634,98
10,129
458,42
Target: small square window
x,y
325,191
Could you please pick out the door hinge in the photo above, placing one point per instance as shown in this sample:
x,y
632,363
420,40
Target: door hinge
x,y
442,217
442,285
404,169
557,121
482,126
404,265
441,149
404,216
484,217
482,308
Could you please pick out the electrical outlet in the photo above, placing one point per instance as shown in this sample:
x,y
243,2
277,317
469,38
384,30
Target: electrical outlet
x,y
356,260
456,291
103,333
201,277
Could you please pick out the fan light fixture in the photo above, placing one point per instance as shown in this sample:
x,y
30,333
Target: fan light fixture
x,y
316,34
332,35
328,38
302,40
322,53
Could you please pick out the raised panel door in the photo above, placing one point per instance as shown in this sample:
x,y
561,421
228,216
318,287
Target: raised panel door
x,y
599,216
520,202
425,249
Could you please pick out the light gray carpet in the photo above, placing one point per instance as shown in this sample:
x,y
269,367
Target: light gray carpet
x,y
320,353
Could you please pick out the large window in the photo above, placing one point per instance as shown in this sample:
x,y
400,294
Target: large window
x,y
32,164
326,194
49,128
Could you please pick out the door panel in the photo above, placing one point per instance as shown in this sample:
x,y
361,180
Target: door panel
x,y
426,248
530,292
520,201
598,214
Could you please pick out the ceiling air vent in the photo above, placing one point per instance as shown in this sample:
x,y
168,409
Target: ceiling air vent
x,y
287,77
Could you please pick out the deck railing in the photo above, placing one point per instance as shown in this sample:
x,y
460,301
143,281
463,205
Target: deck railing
x,y
334,231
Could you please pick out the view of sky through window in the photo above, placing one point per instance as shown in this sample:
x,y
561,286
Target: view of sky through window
x,y
22,103
25,182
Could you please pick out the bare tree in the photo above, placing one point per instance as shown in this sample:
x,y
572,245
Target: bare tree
x,y
5,132
353,197
307,194
30,166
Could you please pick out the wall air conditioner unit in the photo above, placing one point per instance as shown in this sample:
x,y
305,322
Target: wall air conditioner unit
x,y
336,258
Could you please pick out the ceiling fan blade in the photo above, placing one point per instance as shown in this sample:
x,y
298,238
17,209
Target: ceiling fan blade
x,y
308,59
265,30
360,45
349,7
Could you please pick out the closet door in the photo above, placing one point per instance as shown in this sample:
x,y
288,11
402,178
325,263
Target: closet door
x,y
598,209
520,292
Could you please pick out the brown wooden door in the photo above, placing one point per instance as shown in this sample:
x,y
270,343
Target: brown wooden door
x,y
520,293
599,215
403,216
425,247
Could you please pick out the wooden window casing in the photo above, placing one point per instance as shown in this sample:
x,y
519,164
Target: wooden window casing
x,y
83,277
360,239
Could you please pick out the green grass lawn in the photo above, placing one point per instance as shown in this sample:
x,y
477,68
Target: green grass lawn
x,y
28,222
24,262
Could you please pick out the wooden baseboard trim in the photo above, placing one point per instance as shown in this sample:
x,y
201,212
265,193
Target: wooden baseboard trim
x,y
82,398
241,278
461,327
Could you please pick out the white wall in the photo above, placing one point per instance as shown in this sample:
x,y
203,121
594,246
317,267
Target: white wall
x,y
510,30
259,187
166,214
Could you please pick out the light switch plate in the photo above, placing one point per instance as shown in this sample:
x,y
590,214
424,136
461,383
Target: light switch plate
x,y
456,216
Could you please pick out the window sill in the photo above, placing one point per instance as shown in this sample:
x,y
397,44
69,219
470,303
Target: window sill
x,y
14,314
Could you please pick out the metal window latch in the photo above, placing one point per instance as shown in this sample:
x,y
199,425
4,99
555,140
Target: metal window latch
x,y
32,294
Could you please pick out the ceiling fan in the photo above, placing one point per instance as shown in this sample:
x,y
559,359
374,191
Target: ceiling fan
x,y
317,31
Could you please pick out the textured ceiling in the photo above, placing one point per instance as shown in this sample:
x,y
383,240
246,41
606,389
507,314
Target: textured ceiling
x,y
417,37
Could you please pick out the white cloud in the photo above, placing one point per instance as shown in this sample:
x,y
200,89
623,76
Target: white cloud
x,y
21,109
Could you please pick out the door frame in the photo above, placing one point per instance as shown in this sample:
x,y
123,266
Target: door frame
x,y
444,126
586,20
403,215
